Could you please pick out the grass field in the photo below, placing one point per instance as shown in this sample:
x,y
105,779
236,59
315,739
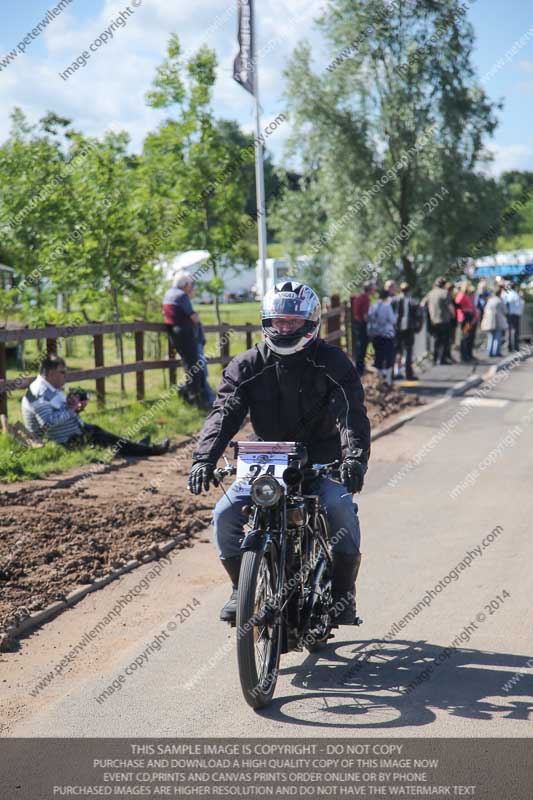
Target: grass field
x,y
523,241
123,414
168,416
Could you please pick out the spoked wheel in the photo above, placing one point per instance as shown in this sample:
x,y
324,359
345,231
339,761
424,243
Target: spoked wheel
x,y
319,629
258,627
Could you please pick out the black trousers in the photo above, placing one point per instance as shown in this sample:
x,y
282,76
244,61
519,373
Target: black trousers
x,y
384,352
404,344
359,344
514,331
93,434
468,336
451,338
441,337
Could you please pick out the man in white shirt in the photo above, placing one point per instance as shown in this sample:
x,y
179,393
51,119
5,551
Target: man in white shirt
x,y
45,408
48,412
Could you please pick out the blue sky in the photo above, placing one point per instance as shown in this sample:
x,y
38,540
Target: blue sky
x,y
109,91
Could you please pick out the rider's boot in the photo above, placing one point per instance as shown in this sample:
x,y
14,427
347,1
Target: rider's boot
x,y
232,567
345,569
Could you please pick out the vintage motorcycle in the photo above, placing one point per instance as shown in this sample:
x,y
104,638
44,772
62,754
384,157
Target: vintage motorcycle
x,y
284,598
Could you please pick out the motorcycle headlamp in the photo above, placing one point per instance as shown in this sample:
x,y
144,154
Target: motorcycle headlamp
x,y
266,491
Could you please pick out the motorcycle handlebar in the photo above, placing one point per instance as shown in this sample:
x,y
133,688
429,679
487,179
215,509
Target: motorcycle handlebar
x,y
222,472
331,470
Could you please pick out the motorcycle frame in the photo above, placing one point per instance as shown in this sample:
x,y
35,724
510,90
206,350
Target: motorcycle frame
x,y
270,525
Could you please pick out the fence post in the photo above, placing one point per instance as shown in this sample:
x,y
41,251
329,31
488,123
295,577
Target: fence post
x,y
139,356
171,369
333,323
98,340
3,377
347,321
223,341
51,344
248,337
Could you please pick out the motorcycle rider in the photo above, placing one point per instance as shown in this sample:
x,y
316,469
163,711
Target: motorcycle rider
x,y
298,388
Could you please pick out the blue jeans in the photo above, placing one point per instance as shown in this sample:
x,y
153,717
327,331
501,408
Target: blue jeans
x,y
210,395
341,511
494,344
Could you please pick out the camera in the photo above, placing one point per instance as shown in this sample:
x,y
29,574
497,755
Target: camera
x,y
80,393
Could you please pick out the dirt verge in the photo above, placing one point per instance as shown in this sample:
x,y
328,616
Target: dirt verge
x,y
57,535
64,532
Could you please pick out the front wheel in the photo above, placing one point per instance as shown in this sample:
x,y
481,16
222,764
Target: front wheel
x,y
319,627
258,626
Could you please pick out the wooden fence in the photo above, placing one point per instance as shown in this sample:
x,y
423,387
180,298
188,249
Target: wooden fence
x,y
336,327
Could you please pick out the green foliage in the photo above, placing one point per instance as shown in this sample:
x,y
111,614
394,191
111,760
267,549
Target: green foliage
x,y
517,218
168,86
201,198
386,129
522,241
8,298
34,204
85,223
85,220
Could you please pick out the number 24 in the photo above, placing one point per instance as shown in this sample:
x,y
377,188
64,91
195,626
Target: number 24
x,y
255,469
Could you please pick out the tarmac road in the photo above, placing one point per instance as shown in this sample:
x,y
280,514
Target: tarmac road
x,y
419,522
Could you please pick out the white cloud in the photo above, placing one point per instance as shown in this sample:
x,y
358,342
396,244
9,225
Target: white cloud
x,y
109,91
525,66
511,157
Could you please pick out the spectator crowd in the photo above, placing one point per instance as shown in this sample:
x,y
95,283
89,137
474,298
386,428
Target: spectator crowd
x,y
456,317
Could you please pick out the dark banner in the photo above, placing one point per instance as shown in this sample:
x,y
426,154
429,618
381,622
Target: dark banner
x,y
487,769
243,66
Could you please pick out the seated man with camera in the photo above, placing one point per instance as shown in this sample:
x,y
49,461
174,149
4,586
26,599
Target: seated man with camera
x,y
48,412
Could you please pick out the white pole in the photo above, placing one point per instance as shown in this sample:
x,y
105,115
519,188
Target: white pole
x,y
259,175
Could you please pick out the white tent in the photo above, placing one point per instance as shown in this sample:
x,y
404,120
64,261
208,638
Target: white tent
x,y
188,261
237,277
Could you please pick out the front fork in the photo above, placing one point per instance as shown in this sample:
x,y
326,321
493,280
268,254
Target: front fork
x,y
258,540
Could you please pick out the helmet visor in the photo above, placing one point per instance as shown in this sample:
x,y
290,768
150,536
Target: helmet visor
x,y
285,304
287,324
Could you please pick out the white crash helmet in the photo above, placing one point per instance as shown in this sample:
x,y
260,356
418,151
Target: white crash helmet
x,y
294,300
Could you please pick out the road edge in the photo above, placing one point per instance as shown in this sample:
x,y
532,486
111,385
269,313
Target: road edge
x,y
36,620
457,390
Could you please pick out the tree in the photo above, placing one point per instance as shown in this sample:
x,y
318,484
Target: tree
x,y
298,220
238,141
109,261
205,195
34,173
394,125
517,219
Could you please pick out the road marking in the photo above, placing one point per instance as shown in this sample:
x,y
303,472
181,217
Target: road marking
x,y
486,402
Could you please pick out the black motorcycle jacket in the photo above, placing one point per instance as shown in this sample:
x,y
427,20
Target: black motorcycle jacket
x,y
314,396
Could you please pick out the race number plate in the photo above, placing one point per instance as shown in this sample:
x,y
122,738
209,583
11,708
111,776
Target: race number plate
x,y
251,465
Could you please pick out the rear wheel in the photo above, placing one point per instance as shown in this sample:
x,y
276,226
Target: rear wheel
x,y
258,627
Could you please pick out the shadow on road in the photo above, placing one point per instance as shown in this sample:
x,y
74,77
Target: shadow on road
x,y
377,684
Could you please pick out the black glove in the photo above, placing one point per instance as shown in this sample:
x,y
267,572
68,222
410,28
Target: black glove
x,y
352,475
200,476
